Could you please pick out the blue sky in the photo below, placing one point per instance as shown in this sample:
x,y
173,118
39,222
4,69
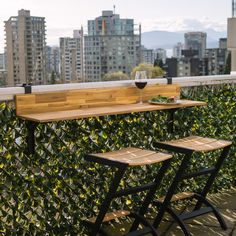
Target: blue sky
x,y
171,15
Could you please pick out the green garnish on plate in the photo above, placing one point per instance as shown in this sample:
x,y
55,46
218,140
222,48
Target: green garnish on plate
x,y
162,99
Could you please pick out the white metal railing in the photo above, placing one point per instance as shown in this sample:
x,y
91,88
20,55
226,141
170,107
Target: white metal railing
x,y
7,94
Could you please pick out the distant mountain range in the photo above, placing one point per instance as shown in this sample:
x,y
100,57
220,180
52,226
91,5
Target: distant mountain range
x,y
166,39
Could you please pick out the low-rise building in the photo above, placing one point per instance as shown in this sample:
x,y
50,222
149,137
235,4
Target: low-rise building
x,y
216,58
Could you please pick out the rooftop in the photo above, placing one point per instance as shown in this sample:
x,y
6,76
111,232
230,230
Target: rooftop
x,y
55,189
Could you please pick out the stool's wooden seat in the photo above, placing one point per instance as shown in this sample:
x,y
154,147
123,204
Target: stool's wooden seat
x,y
198,144
131,157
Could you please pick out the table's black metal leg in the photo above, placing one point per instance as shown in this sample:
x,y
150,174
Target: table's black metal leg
x,y
150,195
30,136
107,201
212,177
170,124
172,188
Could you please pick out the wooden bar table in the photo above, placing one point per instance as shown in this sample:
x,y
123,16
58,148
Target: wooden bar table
x,y
71,105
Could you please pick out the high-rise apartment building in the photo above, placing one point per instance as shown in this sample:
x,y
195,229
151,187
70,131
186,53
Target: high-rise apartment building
x,y
2,61
71,58
160,54
223,43
3,73
177,50
25,44
233,8
196,41
111,45
147,56
52,62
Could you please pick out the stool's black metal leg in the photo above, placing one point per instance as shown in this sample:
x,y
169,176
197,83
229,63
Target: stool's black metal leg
x,y
107,201
150,195
142,220
212,177
30,136
103,232
176,218
214,210
172,188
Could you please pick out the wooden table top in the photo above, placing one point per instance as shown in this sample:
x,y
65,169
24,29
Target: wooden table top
x,y
105,110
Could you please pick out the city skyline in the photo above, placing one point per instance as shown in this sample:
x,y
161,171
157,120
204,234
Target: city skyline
x,y
62,17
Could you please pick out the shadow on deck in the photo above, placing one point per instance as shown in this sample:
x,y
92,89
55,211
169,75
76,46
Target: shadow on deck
x,y
206,225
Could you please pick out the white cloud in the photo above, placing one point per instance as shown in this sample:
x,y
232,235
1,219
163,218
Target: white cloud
x,y
167,24
183,24
53,34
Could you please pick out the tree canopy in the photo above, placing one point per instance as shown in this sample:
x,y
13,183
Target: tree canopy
x,y
152,71
112,76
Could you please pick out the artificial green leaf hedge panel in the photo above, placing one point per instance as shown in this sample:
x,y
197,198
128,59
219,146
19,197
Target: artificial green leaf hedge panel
x,y
51,192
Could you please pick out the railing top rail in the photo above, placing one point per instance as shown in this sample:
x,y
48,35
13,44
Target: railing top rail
x,y
8,93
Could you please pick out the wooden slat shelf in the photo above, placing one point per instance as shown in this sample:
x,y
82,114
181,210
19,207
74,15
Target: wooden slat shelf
x,y
102,111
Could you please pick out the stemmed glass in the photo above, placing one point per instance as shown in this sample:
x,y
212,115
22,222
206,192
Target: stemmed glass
x,y
140,82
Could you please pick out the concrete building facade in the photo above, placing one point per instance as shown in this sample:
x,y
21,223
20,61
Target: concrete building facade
x,y
25,49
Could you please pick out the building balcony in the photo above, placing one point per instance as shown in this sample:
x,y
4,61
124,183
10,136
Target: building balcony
x,y
53,190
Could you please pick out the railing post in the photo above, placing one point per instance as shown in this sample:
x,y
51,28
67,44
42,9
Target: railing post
x,y
169,80
30,126
28,88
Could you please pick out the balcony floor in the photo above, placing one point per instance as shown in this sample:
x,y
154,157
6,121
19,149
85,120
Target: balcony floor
x,y
204,225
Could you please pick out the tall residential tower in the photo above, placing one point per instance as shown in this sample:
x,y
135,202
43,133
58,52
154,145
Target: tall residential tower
x,y
25,44
111,46
196,41
71,58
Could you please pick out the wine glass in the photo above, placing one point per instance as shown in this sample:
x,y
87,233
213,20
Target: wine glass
x,y
140,82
